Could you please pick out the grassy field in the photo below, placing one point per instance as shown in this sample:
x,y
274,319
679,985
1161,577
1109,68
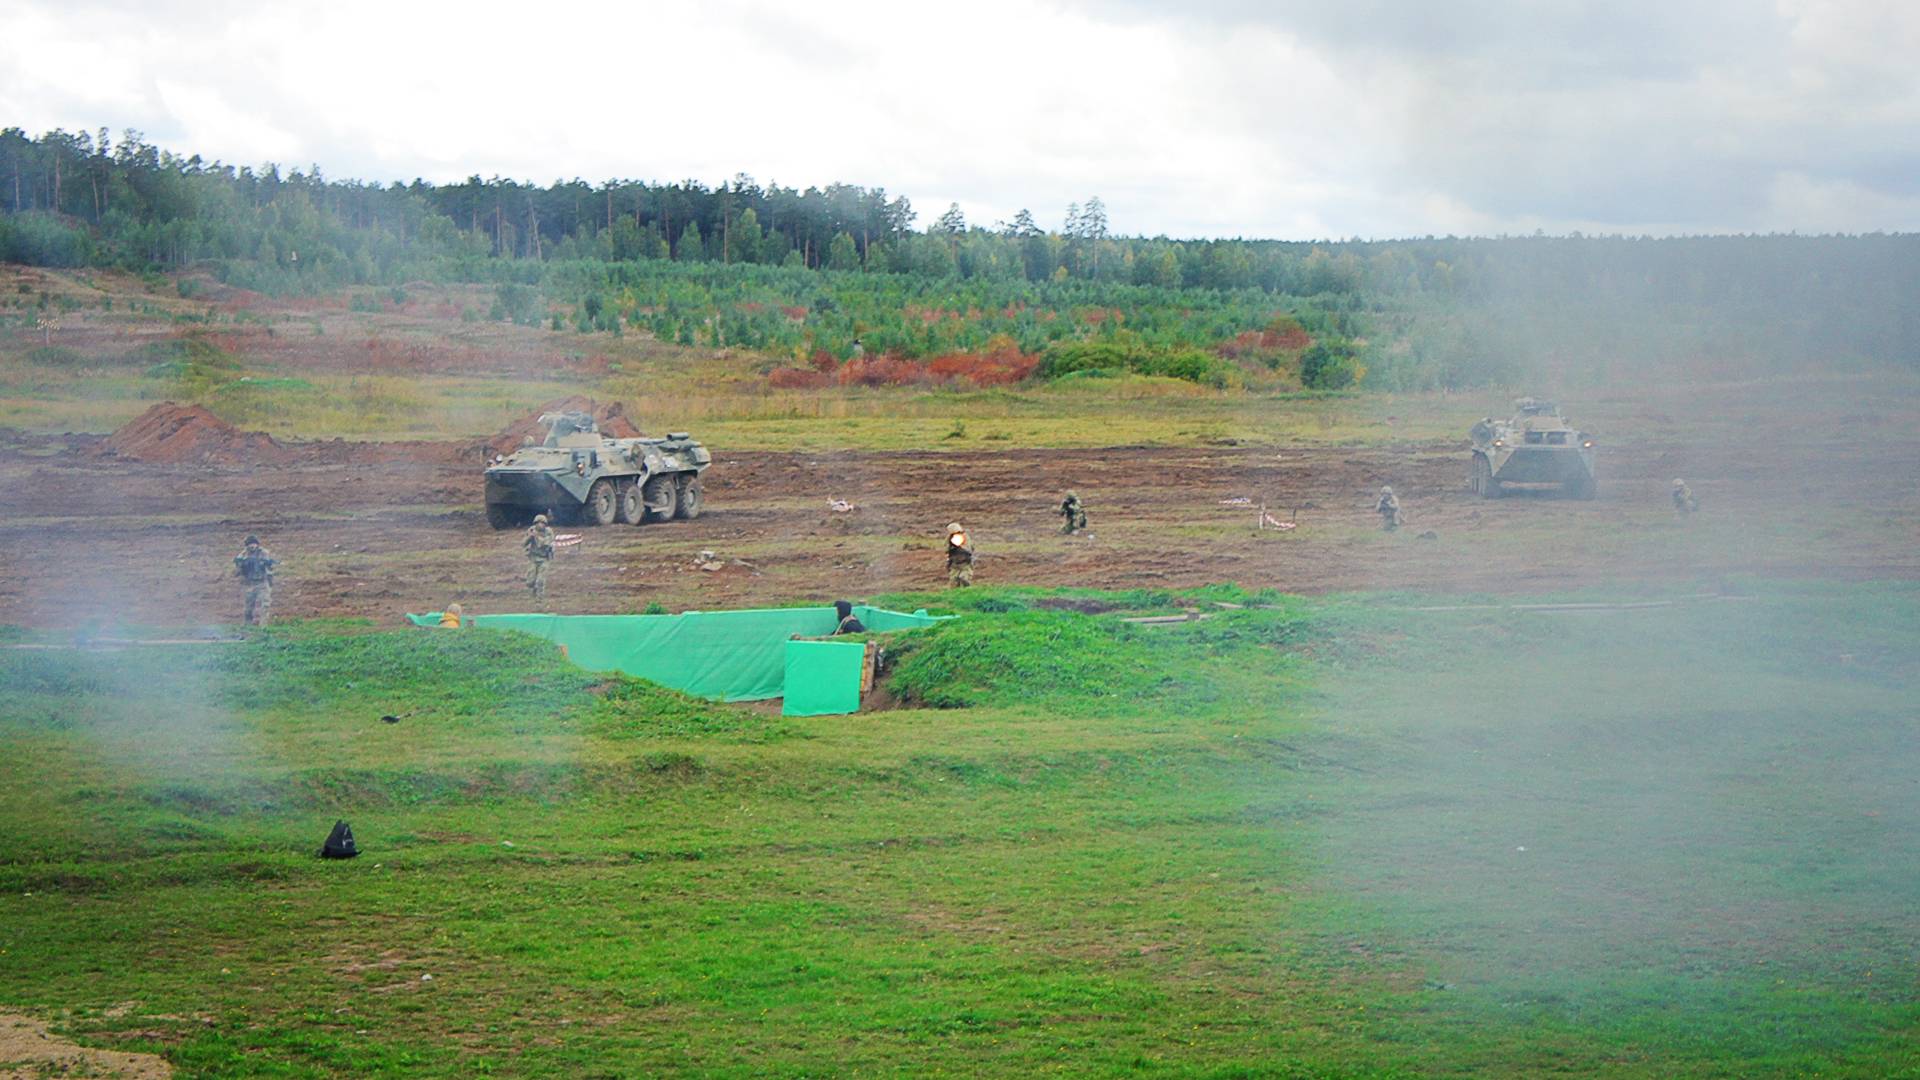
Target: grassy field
x,y
1338,837
318,369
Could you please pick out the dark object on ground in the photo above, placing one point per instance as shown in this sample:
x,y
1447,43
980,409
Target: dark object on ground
x,y
340,843
391,718
1428,535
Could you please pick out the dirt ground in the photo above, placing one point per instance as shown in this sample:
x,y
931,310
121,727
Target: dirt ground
x,y
27,1050
378,529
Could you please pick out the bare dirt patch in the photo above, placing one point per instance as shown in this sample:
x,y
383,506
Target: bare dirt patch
x,y
375,529
28,1051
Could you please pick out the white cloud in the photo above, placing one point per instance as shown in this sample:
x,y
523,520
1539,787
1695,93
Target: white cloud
x,y
1289,118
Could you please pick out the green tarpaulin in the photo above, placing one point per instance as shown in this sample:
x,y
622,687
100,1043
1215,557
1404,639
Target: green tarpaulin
x,y
731,655
823,678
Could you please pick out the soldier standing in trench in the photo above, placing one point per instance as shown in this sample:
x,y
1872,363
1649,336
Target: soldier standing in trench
x,y
539,545
254,565
959,557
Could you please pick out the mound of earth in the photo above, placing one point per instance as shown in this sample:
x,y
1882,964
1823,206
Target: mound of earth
x,y
170,433
610,415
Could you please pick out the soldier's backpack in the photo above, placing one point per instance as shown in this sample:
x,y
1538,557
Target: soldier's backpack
x,y
339,843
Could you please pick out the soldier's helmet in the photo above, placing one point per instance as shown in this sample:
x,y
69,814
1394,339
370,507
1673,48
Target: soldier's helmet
x,y
1074,495
252,540
1677,482
1385,490
954,527
539,519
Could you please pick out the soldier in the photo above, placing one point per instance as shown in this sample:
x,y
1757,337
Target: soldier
x,y
254,565
539,545
1683,500
857,351
1073,512
849,622
1389,509
450,618
959,557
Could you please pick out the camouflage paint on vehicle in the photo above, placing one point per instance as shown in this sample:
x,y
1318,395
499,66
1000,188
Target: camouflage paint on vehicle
x,y
579,476
1536,448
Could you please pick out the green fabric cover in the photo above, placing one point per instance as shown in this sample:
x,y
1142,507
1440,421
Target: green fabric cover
x,y
731,655
823,678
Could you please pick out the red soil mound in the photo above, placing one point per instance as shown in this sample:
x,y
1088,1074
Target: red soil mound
x,y
610,415
189,434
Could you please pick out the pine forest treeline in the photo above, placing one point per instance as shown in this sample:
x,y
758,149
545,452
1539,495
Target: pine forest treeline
x,y
683,258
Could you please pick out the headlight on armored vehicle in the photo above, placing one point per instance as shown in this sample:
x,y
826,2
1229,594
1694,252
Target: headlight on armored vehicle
x,y
1499,442
1588,444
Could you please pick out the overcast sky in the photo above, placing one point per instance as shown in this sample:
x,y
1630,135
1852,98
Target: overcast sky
x,y
1300,119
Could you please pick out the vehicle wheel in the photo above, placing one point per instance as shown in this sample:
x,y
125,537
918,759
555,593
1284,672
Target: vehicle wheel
x,y
629,500
502,516
661,496
1483,481
600,504
689,486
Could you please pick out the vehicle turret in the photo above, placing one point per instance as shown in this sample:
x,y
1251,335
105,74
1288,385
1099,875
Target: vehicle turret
x,y
577,475
1536,447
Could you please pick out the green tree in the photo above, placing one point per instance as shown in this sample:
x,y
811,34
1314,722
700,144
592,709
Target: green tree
x,y
843,253
690,248
746,238
1329,365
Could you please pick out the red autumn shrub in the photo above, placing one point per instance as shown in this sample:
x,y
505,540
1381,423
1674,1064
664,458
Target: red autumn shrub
x,y
1245,343
886,370
1285,333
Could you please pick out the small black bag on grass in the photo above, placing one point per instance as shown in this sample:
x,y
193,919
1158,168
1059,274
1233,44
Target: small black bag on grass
x,y
339,843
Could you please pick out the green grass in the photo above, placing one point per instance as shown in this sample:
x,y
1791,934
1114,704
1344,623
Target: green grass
x,y
1282,841
300,370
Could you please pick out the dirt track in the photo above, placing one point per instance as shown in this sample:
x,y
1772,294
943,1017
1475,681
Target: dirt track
x,y
377,529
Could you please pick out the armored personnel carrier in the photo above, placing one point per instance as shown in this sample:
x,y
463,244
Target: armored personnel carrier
x,y
579,476
1537,448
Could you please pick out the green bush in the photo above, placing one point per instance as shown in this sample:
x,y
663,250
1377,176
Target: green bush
x,y
1119,353
194,363
1061,657
1329,365
44,240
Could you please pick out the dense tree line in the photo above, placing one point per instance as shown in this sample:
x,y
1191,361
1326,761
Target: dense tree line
x,y
1428,311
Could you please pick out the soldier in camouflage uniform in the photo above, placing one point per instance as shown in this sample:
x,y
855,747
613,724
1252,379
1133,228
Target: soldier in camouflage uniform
x,y
254,565
959,557
539,545
1683,500
1074,513
1388,507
